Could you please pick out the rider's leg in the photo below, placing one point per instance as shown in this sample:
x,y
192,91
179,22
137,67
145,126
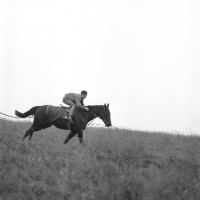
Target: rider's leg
x,y
72,108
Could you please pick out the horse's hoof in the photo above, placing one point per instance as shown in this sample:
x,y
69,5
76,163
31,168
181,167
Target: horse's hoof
x,y
65,142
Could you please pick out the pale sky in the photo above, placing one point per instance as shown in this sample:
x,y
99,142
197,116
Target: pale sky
x,y
141,56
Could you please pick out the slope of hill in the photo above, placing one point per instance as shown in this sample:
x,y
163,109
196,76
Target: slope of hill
x,y
113,164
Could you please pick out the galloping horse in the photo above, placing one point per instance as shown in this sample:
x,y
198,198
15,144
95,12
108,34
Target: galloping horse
x,y
81,118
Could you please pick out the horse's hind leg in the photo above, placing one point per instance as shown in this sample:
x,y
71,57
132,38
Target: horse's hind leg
x,y
80,136
33,129
71,135
28,133
39,122
31,133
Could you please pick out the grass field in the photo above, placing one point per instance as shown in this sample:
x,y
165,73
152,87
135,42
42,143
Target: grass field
x,y
114,164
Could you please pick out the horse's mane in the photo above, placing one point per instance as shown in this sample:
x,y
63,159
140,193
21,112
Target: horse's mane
x,y
90,107
94,106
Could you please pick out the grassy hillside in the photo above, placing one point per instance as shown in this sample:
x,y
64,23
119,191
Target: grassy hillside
x,y
114,164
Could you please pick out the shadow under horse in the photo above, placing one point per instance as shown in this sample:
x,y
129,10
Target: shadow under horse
x,y
81,119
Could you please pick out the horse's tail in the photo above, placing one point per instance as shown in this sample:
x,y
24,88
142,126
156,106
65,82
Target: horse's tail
x,y
28,113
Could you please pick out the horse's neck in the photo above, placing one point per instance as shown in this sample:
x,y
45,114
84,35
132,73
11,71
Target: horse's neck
x,y
94,110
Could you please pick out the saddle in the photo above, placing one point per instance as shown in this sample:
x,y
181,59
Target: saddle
x,y
55,112
65,107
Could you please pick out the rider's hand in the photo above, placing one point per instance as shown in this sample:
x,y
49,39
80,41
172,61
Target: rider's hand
x,y
86,108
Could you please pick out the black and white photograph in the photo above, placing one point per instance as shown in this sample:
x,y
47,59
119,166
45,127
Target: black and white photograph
x,y
99,100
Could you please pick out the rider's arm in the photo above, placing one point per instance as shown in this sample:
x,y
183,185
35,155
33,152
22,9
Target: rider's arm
x,y
78,102
82,103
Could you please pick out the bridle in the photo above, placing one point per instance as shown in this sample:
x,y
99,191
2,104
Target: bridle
x,y
99,116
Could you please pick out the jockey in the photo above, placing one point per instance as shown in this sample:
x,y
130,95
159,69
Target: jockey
x,y
73,100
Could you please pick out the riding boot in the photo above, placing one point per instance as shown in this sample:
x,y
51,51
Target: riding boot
x,y
71,112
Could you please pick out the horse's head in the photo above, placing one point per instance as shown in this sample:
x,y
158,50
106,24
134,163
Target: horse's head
x,y
105,115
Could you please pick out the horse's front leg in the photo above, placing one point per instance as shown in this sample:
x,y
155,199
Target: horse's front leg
x,y
80,136
71,135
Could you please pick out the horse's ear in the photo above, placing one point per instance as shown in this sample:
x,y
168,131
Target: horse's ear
x,y
108,105
104,104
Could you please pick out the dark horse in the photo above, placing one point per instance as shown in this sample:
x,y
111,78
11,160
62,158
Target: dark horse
x,y
81,119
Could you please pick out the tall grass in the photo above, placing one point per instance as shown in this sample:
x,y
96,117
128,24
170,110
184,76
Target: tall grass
x,y
114,164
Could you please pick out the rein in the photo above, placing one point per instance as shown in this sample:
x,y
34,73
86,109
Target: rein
x,y
95,115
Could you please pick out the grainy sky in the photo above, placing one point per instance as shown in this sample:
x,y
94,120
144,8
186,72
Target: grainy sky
x,y
141,56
